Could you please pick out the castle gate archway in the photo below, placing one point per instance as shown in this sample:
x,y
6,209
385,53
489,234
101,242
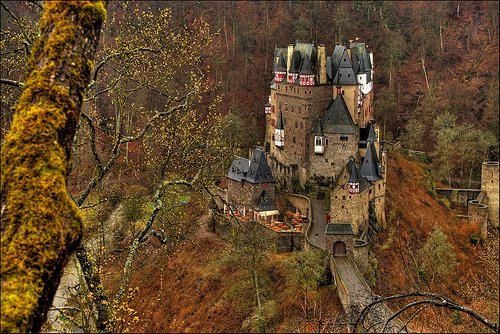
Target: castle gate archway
x,y
339,249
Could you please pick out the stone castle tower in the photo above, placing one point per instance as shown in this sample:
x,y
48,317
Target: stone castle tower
x,y
320,128
489,184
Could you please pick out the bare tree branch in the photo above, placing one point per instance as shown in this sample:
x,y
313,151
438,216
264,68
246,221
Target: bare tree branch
x,y
11,82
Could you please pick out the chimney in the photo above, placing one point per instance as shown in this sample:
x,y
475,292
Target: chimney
x,y
289,60
322,64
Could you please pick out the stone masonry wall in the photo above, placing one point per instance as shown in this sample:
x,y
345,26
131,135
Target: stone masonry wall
x,y
302,108
245,193
350,208
347,239
489,184
336,153
350,98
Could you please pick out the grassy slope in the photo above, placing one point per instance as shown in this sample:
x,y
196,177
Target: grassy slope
x,y
412,212
200,288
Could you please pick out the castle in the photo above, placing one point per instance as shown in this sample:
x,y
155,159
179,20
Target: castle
x,y
319,134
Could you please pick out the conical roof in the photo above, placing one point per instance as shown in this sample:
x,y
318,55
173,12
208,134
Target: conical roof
x,y
372,136
306,68
280,123
369,168
355,176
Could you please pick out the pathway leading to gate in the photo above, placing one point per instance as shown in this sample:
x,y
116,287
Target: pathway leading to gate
x,y
359,292
317,234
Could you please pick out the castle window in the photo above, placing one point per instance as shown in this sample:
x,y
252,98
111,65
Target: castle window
x,y
350,197
326,141
326,160
379,186
335,196
344,138
343,197
343,92
370,191
286,88
343,187
318,141
342,206
293,140
349,75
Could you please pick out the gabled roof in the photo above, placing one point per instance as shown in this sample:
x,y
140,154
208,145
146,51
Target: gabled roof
x,y
265,203
259,171
339,228
369,168
307,49
337,119
280,123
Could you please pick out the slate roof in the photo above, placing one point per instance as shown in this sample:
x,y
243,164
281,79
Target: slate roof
x,y
372,136
280,123
279,54
255,170
337,119
265,203
370,166
239,169
345,73
367,134
295,62
259,171
306,66
352,167
355,176
338,51
339,228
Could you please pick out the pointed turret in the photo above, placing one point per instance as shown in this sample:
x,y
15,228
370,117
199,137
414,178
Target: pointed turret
x,y
280,67
345,73
371,165
354,177
279,132
306,73
293,73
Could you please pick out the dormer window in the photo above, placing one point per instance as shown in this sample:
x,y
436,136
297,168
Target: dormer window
x,y
353,187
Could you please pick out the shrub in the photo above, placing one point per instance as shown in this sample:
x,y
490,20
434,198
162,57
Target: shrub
x,y
474,238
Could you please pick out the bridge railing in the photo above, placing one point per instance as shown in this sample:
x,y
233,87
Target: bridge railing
x,y
342,290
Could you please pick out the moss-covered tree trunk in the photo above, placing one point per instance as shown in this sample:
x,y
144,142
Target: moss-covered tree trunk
x,y
40,224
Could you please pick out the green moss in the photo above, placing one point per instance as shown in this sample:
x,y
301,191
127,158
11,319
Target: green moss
x,y
42,223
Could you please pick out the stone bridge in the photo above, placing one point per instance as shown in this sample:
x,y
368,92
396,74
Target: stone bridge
x,y
353,291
